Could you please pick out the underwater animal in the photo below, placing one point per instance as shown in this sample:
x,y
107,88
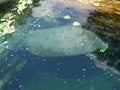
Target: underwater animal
x,y
57,41
63,41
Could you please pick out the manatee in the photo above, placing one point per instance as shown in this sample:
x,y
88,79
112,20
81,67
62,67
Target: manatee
x,y
63,41
58,41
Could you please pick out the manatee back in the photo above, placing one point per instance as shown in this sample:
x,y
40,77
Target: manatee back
x,y
62,41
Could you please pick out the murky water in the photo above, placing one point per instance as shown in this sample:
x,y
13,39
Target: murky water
x,y
58,46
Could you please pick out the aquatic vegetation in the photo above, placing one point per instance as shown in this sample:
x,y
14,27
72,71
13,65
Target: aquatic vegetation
x,y
20,65
6,26
3,1
8,67
12,42
22,5
4,80
9,18
3,53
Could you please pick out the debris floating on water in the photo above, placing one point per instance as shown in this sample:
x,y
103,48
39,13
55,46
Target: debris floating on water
x,y
67,17
76,23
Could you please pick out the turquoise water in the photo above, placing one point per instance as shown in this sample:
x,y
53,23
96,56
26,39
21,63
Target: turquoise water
x,y
60,73
28,62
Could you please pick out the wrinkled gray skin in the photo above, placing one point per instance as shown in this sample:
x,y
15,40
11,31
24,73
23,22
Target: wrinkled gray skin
x,y
63,41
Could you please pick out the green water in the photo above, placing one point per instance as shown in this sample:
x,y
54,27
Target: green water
x,y
82,53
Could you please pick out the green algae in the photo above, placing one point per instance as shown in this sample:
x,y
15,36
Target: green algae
x,y
20,65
